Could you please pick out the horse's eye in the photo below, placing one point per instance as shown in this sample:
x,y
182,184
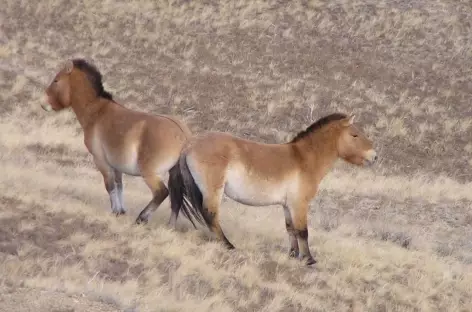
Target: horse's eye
x,y
354,135
55,80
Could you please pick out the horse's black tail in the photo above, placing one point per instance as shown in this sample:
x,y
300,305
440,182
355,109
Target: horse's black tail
x,y
177,192
193,205
184,193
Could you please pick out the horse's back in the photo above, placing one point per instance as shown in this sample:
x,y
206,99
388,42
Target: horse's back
x,y
132,139
166,128
214,147
119,121
254,173
237,150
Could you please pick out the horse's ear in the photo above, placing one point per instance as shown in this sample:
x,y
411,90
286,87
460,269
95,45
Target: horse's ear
x,y
69,67
349,120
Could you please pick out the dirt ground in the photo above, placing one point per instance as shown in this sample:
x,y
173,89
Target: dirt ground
x,y
27,299
393,237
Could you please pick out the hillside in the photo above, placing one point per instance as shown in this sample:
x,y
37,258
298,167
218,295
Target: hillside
x,y
393,237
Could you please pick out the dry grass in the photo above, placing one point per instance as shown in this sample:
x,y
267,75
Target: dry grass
x,y
395,237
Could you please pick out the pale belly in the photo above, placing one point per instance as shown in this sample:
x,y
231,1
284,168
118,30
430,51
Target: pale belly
x,y
255,192
125,162
122,158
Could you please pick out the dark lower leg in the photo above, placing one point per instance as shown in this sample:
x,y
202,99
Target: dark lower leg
x,y
159,196
227,243
110,185
300,213
152,206
212,216
223,237
119,186
293,250
113,194
304,254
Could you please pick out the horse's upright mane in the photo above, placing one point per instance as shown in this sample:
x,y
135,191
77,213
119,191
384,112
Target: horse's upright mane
x,y
94,77
317,125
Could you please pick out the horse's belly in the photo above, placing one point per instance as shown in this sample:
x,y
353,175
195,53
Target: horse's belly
x,y
120,155
125,161
251,193
128,168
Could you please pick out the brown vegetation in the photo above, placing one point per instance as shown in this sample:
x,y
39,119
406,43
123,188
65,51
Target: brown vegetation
x,y
395,237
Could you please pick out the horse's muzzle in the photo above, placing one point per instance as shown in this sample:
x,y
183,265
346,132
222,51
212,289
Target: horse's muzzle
x,y
371,158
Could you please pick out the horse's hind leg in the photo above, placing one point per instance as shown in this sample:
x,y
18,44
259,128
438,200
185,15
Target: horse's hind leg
x,y
293,251
160,193
108,174
211,214
119,186
210,182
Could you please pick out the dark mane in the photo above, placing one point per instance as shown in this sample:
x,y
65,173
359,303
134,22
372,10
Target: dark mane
x,y
94,76
318,124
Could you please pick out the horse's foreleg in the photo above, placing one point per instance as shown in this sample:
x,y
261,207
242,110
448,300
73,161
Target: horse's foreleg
x,y
293,251
119,186
160,193
108,174
299,217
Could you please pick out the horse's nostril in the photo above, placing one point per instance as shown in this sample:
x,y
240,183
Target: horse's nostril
x,y
375,158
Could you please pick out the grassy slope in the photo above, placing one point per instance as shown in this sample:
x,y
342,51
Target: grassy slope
x,y
396,237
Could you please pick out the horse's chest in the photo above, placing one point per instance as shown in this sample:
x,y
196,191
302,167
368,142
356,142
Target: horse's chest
x,y
91,142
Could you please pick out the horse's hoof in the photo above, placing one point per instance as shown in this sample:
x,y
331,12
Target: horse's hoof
x,y
229,246
141,220
310,261
293,253
172,226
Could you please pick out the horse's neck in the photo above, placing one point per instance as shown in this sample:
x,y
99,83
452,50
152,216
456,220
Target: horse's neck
x,y
318,152
86,106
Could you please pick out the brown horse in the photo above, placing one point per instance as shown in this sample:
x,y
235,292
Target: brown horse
x,y
121,140
258,174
